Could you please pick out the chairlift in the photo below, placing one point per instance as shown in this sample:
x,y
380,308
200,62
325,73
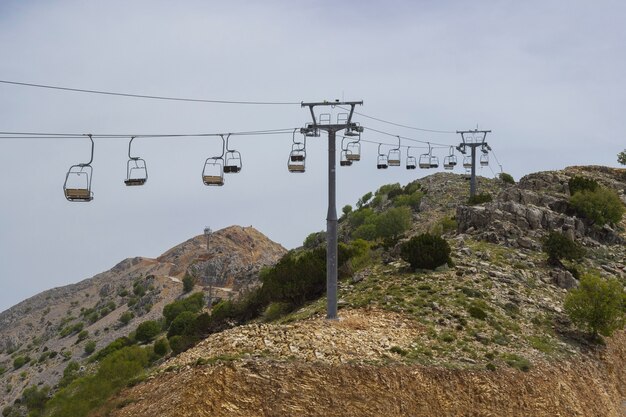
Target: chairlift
x,y
213,171
434,161
411,161
467,161
394,156
484,159
424,161
354,131
77,186
382,162
345,161
297,156
232,159
449,162
310,131
354,151
136,170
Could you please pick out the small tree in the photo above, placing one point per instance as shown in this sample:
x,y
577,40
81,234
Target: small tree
x,y
161,347
363,200
579,183
347,209
426,251
507,178
597,305
558,246
621,157
188,283
147,331
126,317
90,347
601,206
393,222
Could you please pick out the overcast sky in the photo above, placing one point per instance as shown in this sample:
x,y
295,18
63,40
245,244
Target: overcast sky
x,y
547,77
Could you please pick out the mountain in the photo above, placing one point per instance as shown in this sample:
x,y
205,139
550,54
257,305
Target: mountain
x,y
53,327
484,334
486,337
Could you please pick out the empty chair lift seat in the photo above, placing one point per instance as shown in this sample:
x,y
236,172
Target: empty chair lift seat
x,y
212,180
78,194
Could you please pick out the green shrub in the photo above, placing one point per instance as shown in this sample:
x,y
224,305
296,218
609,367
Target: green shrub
x,y
412,200
35,399
275,311
393,222
360,217
558,246
477,312
161,347
114,346
365,231
363,200
193,303
387,189
126,317
314,240
506,178
347,209
597,305
577,184
426,251
444,225
179,344
621,157
83,335
3,369
479,199
188,283
518,362
601,206
147,331
182,324
90,347
87,393
20,361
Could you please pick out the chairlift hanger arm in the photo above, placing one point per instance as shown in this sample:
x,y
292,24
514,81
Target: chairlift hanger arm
x,y
91,158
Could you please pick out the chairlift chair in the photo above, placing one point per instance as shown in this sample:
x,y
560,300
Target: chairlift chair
x,y
354,151
136,170
449,162
394,158
296,161
411,161
434,162
213,172
232,160
467,161
424,162
484,159
77,185
345,161
381,162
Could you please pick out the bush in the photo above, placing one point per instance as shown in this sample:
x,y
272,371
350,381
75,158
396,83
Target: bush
x,y
597,305
275,311
601,206
479,199
182,324
314,240
126,317
70,373
621,157
577,184
83,335
90,347
426,251
188,283
363,200
444,225
147,331
393,222
412,200
20,361
114,346
347,209
179,344
35,399
193,303
506,178
161,347
558,246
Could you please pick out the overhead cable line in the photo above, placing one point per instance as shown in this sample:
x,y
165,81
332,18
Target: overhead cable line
x,y
112,93
32,135
421,129
425,142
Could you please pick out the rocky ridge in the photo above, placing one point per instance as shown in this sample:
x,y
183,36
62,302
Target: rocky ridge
x,y
46,328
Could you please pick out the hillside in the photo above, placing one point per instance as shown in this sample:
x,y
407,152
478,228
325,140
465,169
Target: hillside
x,y
46,329
488,336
